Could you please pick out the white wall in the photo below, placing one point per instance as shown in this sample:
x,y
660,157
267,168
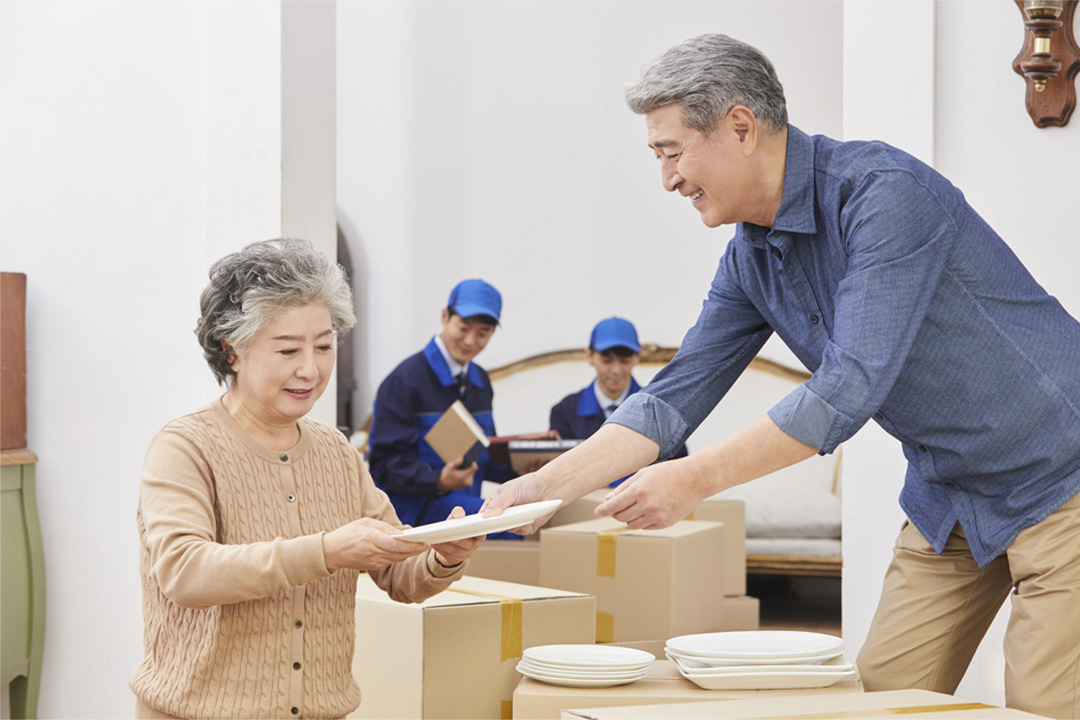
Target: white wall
x,y
141,141
491,139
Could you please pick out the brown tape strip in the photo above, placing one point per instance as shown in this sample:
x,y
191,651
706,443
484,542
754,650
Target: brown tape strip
x,y
605,627
690,516
878,712
605,551
506,709
512,612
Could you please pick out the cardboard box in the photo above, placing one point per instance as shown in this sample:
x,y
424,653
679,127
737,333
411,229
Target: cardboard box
x,y
662,686
581,510
516,561
907,703
741,613
454,655
649,584
732,513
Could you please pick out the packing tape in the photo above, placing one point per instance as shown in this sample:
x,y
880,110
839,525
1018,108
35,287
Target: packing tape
x,y
506,709
605,627
511,643
690,516
605,551
879,712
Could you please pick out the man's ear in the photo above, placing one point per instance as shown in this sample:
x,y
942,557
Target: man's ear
x,y
743,124
445,315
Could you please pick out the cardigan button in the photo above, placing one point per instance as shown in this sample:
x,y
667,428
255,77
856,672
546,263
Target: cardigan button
x,y
296,666
290,497
299,623
295,711
284,457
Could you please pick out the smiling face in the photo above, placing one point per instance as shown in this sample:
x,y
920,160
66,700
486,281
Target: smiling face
x,y
612,371
285,368
464,338
710,170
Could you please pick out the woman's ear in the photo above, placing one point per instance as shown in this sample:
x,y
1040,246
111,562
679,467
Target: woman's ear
x,y
230,355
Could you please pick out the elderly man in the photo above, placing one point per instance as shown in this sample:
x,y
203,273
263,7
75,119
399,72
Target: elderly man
x,y
909,310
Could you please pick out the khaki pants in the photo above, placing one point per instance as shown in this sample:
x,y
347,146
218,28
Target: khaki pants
x,y
935,609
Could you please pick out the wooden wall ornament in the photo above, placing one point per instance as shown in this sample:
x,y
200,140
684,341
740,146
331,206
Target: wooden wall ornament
x,y
1049,60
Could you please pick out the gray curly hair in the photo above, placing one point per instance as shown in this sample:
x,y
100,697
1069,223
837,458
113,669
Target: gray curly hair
x,y
709,75
251,287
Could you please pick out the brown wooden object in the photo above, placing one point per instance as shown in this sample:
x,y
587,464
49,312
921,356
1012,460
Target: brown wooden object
x,y
12,361
1049,59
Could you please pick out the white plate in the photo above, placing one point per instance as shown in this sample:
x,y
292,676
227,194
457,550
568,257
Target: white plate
x,y
691,661
585,669
526,666
767,679
578,682
588,655
755,644
475,525
834,666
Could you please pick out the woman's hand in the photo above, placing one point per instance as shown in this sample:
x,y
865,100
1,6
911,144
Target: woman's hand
x,y
458,551
367,544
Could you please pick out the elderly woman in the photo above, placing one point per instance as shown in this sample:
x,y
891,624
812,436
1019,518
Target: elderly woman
x,y
255,521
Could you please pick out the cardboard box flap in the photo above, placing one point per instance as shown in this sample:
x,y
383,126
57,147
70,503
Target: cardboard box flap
x,y
909,703
468,591
600,525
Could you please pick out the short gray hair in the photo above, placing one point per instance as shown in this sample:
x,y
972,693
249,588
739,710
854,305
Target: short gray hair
x,y
249,288
709,75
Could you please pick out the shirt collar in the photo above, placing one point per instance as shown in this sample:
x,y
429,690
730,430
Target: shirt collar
x,y
456,368
796,213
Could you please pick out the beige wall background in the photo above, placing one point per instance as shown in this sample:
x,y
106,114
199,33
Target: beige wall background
x,y
141,141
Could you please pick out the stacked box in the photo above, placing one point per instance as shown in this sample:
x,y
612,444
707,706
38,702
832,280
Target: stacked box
x,y
649,584
662,687
732,513
454,655
515,561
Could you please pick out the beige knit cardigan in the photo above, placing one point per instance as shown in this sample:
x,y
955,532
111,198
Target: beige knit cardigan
x,y
241,617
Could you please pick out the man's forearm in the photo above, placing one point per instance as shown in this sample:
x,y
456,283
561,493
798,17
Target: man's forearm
x,y
614,451
758,450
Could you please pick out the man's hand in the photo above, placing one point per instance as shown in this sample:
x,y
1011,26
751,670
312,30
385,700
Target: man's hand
x,y
657,496
525,489
367,544
457,551
451,478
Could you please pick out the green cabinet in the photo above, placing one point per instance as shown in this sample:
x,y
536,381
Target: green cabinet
x,y
22,590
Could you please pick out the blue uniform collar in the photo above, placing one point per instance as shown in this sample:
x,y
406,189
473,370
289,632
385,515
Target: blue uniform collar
x,y
437,363
796,213
588,406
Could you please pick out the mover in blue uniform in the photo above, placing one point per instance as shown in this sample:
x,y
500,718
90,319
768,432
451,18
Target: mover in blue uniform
x,y
422,488
614,352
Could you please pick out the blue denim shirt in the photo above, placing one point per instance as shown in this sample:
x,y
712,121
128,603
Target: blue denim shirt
x,y
909,310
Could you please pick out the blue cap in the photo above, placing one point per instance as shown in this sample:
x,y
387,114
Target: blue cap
x,y
614,332
475,297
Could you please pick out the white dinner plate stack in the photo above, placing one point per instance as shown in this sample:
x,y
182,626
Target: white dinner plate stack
x,y
585,665
760,659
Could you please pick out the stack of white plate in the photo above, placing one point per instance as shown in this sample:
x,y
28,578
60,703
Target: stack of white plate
x,y
760,660
585,665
